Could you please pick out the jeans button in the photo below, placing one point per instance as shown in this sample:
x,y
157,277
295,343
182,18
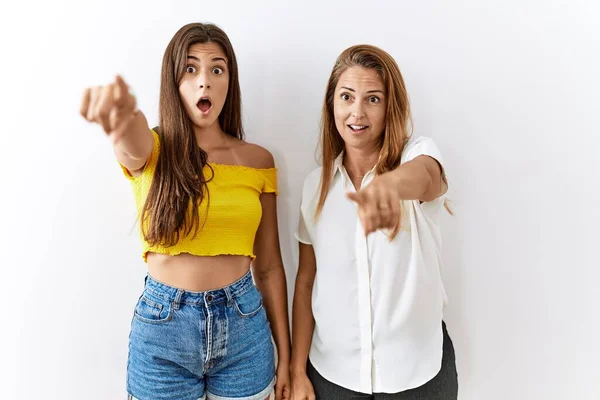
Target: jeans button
x,y
209,298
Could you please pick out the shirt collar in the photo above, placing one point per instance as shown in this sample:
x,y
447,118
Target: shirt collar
x,y
338,166
338,163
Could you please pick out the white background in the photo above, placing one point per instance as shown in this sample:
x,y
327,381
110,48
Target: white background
x,y
508,90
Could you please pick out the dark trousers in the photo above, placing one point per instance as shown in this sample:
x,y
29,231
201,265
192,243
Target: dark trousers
x,y
444,386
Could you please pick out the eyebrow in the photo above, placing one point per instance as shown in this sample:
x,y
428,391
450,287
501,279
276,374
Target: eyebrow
x,y
370,91
214,59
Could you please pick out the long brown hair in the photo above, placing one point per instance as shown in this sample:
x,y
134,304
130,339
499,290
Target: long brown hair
x,y
179,185
398,121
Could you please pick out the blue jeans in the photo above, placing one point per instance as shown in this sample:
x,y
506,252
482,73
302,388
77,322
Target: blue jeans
x,y
196,345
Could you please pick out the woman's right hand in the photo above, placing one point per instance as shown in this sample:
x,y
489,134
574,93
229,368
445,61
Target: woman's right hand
x,y
302,389
111,106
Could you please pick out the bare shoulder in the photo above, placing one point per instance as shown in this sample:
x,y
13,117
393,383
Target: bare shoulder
x,y
256,156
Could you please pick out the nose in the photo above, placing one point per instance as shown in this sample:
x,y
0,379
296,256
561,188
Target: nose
x,y
203,81
358,110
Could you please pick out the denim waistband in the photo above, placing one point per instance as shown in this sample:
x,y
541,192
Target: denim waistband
x,y
181,296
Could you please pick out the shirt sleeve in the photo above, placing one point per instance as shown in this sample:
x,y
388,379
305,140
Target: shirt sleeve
x,y
270,180
301,233
424,146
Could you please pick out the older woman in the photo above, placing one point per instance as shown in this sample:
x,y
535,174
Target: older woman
x,y
369,298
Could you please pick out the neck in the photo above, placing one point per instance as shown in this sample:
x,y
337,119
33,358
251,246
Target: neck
x,y
210,136
358,161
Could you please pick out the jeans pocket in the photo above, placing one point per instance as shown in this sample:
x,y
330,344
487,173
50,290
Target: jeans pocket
x,y
151,310
248,303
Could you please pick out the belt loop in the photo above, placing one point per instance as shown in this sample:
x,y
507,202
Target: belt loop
x,y
177,300
229,297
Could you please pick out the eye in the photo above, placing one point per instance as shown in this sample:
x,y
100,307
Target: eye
x,y
218,70
374,99
345,96
190,69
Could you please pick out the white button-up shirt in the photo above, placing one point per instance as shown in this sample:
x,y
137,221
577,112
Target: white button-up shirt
x,y
377,304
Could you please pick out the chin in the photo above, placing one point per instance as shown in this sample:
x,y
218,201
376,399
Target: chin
x,y
358,142
204,122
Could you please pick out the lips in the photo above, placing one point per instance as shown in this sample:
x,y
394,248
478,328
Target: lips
x,y
357,128
204,104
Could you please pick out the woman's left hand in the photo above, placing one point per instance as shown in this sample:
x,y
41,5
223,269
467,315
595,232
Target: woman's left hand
x,y
282,385
378,205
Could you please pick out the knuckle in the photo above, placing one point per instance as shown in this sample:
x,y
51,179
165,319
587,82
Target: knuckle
x,y
103,113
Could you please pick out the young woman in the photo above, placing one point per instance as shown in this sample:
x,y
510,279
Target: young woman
x,y
369,296
208,223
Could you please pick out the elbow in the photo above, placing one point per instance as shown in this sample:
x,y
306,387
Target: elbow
x,y
427,192
264,272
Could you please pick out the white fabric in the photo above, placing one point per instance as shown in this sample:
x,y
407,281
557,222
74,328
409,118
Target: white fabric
x,y
377,304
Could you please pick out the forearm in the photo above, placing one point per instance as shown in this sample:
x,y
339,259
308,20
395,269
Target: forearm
x,y
412,180
303,325
135,145
272,284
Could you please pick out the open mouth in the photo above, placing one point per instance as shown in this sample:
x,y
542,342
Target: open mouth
x,y
204,104
357,128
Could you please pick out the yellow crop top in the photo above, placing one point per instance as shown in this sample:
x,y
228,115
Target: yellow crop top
x,y
234,213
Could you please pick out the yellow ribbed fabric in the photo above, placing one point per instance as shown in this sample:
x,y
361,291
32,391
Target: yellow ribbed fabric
x,y
232,218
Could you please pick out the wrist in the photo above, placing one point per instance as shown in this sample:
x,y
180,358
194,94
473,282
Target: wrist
x,y
283,356
297,369
393,179
283,363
